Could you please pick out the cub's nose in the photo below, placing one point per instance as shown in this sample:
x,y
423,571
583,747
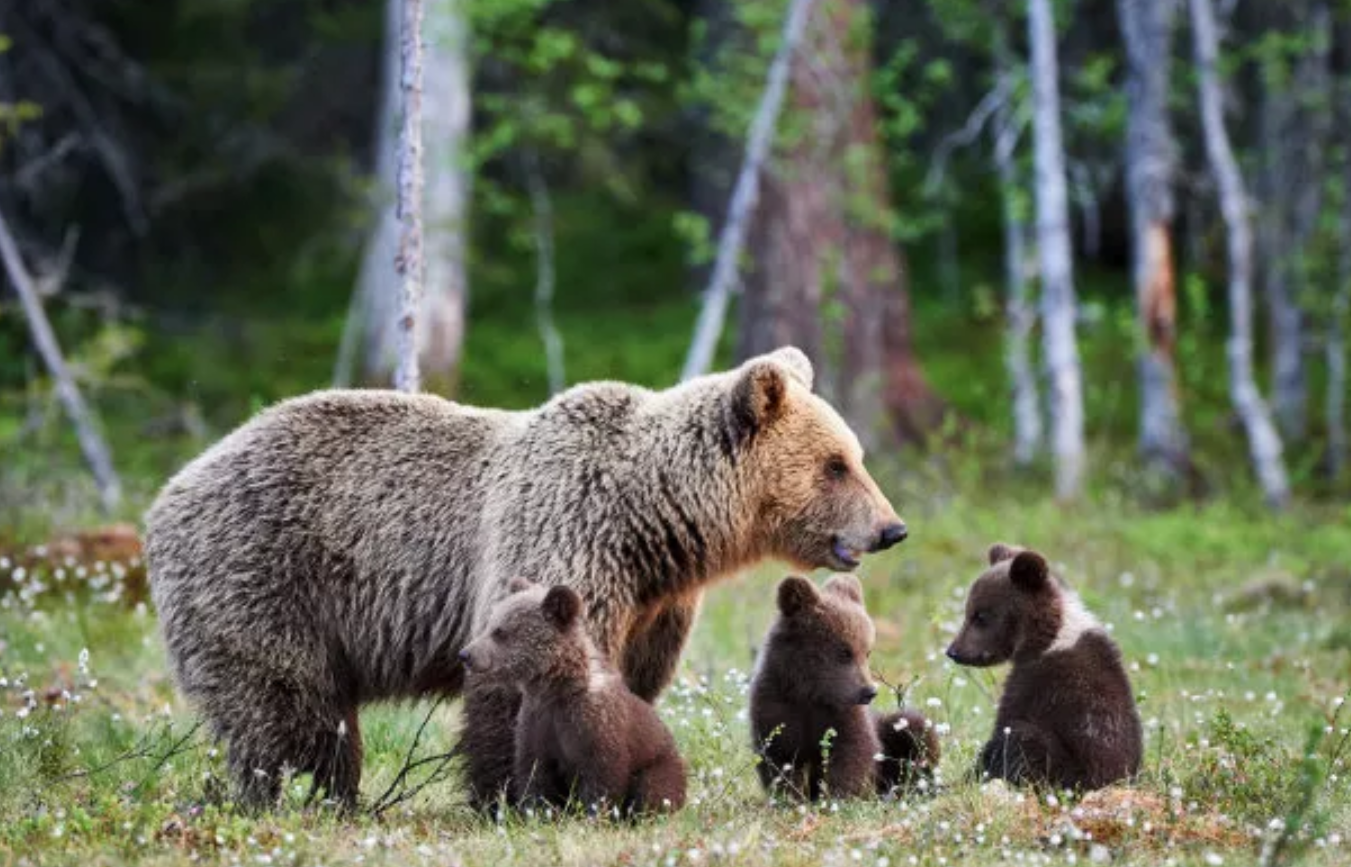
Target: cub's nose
x,y
867,694
955,655
464,656
892,534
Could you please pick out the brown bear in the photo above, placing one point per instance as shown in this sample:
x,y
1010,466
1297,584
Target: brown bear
x,y
812,679
342,547
1067,717
581,734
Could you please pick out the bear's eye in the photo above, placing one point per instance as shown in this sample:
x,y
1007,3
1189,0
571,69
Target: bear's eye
x,y
845,654
499,634
836,468
980,618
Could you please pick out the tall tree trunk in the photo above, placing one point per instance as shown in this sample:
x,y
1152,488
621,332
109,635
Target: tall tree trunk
x,y
1147,26
1335,346
412,184
821,247
447,125
747,195
440,323
1264,442
1057,271
1281,152
1020,314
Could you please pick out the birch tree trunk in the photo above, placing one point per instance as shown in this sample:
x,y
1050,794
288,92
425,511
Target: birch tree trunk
x,y
1264,442
1151,156
1057,271
95,451
440,323
1020,315
412,184
746,197
1335,346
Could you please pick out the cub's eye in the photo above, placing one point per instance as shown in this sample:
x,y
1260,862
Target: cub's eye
x,y
845,654
499,634
980,618
836,468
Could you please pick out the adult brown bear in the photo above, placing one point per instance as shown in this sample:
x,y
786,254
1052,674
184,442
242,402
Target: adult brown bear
x,y
342,547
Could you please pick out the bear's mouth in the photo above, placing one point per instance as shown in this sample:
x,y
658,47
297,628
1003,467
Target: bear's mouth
x,y
846,557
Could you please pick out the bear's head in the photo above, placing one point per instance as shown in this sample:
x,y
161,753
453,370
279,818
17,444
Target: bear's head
x,y
813,502
820,644
1017,610
533,634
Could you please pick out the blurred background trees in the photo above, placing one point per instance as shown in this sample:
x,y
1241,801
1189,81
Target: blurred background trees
x,y
203,192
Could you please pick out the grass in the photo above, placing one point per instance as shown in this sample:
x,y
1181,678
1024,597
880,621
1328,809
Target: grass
x,y
1232,623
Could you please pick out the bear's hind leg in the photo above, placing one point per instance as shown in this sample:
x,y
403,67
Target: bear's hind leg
x,y
283,731
1023,753
661,786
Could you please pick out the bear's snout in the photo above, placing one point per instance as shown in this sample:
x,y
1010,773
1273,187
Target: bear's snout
x,y
890,535
957,655
867,694
467,659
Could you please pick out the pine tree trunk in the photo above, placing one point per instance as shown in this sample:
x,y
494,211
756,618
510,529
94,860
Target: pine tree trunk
x,y
1057,272
1264,442
821,247
1150,166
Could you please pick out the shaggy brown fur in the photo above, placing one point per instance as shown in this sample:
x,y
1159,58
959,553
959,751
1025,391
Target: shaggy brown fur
x,y
580,732
1067,717
342,547
811,677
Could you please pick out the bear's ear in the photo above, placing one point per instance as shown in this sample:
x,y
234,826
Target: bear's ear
x,y
796,594
847,586
796,362
1029,571
519,585
999,552
561,606
759,396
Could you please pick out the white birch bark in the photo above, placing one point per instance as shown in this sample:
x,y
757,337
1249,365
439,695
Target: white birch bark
x,y
412,185
1064,377
1021,314
1147,27
1264,442
374,317
731,242
95,451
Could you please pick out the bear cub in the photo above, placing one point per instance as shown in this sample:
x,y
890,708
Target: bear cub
x,y
580,733
812,676
1067,717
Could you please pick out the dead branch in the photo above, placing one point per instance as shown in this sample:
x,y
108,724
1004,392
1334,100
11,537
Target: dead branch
x,y
708,328
86,425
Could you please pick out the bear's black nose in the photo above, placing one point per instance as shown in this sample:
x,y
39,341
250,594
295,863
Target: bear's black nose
x,y
464,656
867,694
953,654
891,534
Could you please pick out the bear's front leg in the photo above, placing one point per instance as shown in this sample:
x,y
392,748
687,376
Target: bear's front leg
x,y
652,652
488,742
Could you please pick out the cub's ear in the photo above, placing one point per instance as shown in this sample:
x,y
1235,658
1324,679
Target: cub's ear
x,y
519,585
796,594
796,362
999,552
846,585
1029,571
561,606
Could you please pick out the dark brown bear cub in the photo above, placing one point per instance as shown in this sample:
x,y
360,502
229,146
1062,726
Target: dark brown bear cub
x,y
811,678
580,733
1067,717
